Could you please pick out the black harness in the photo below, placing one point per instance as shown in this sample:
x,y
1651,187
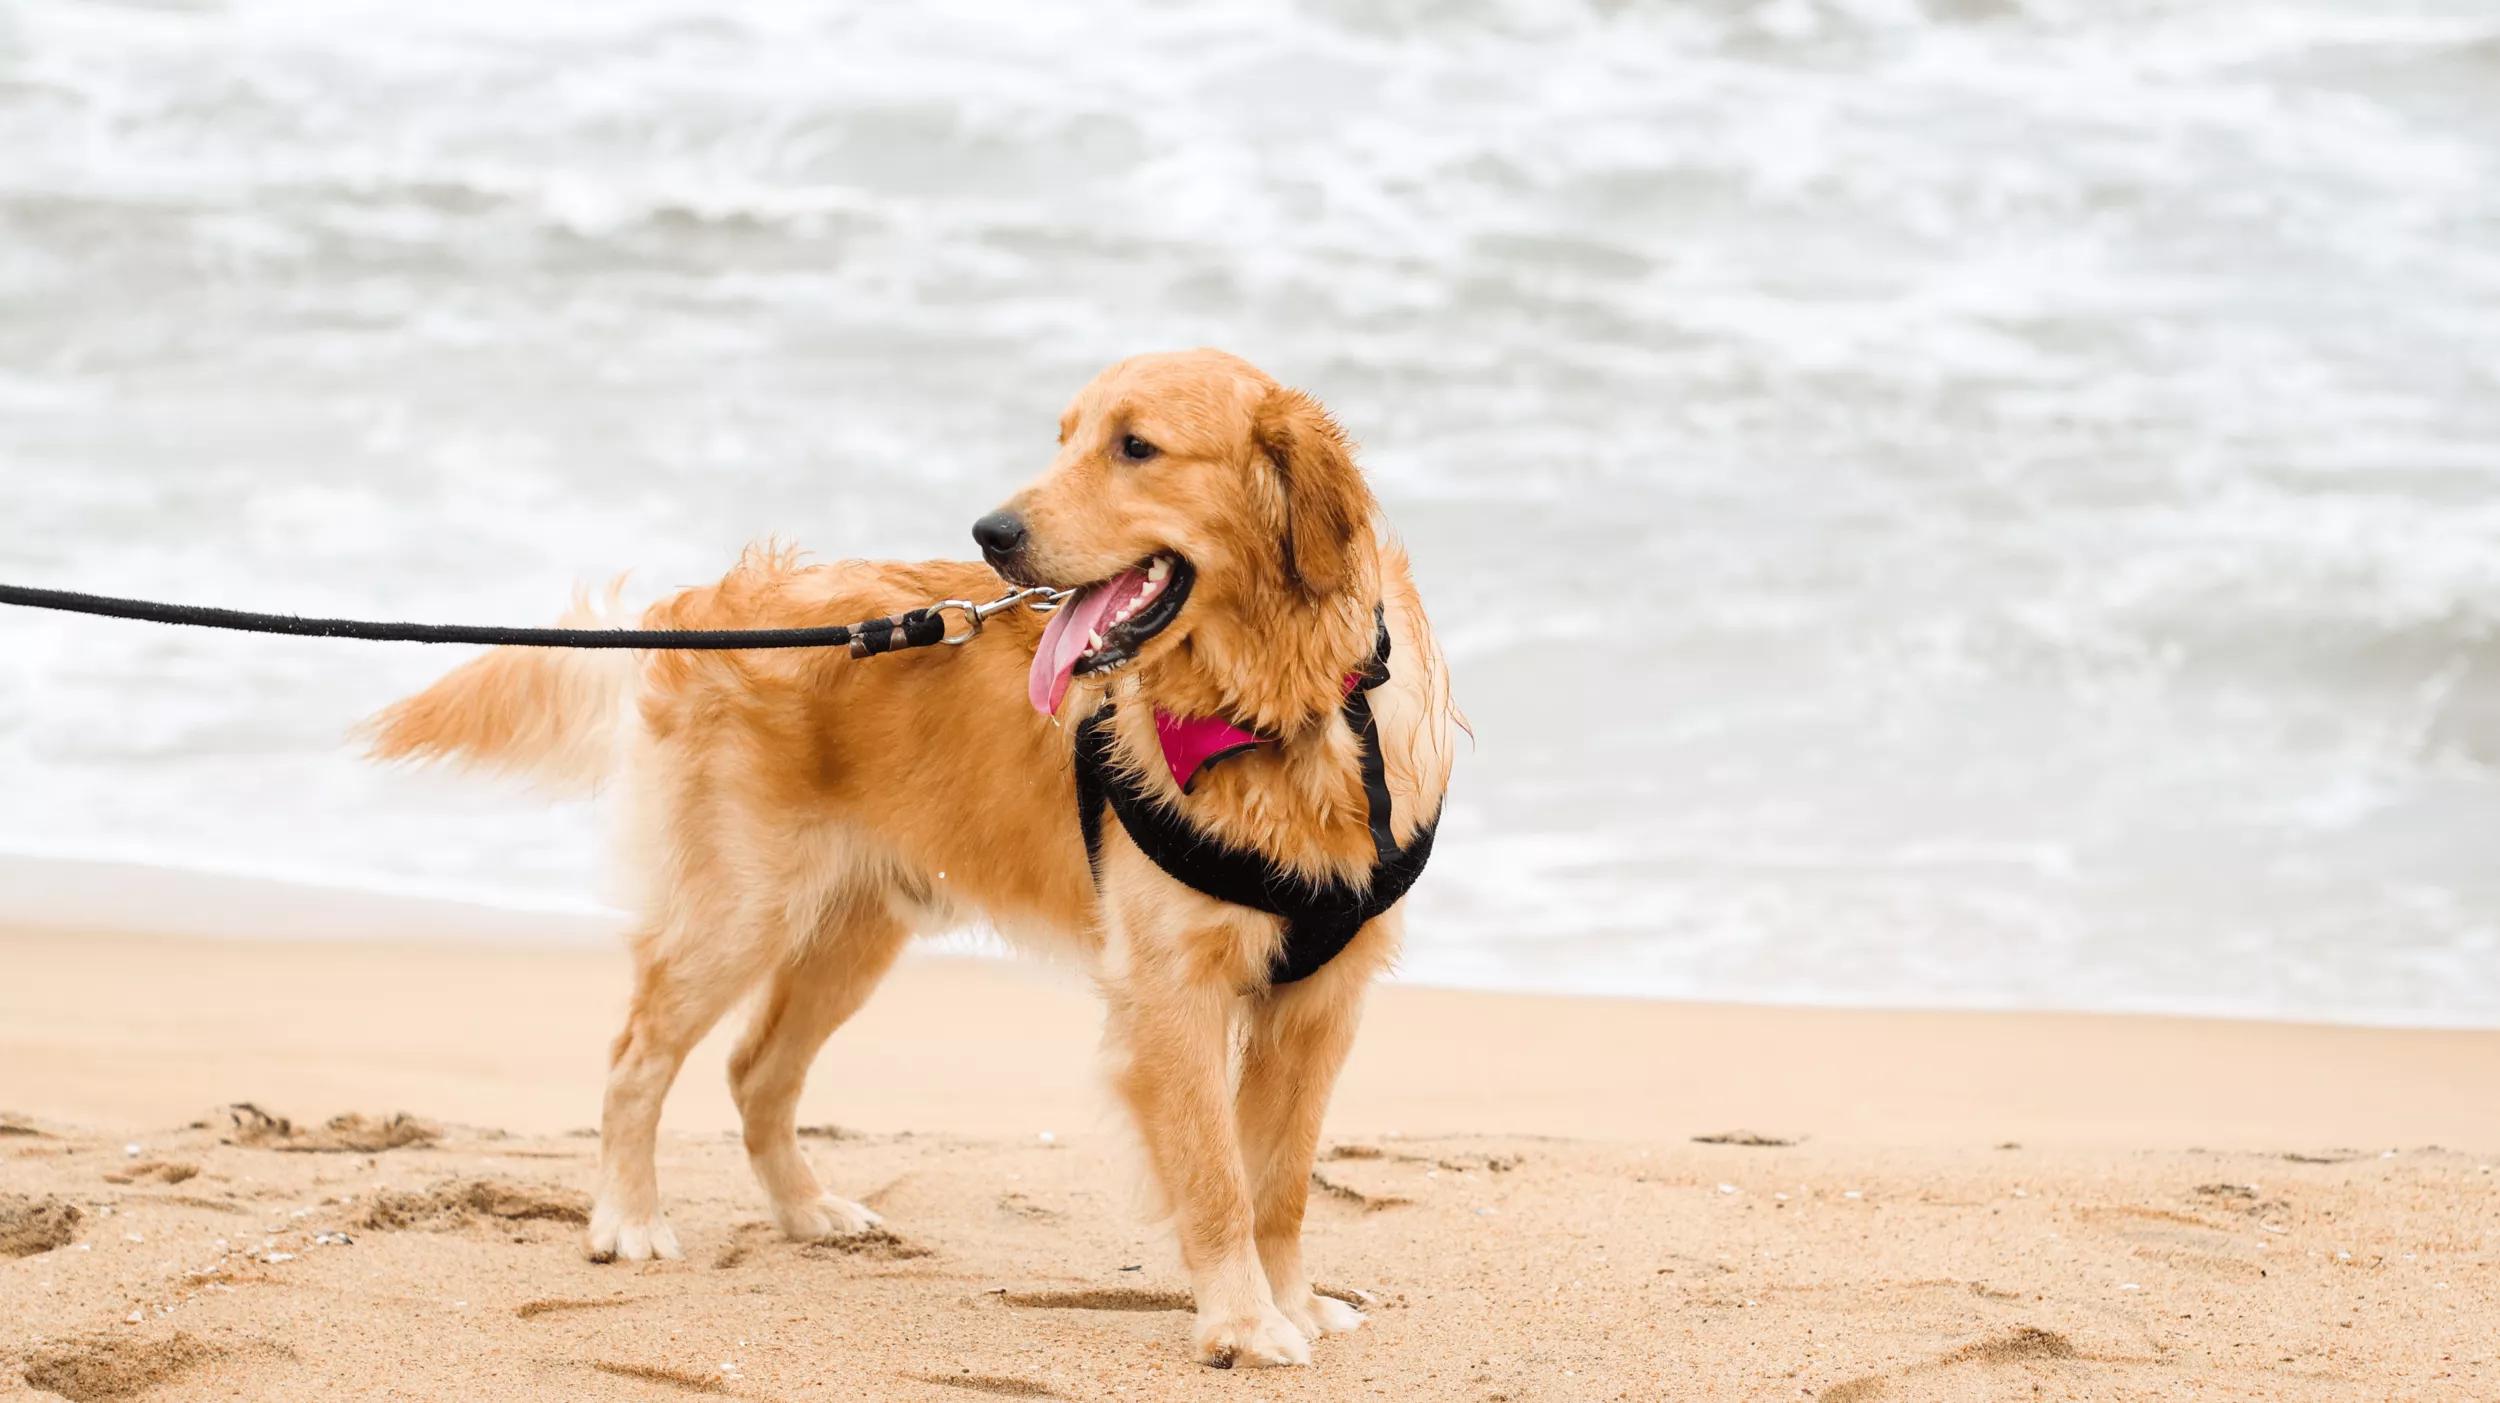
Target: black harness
x,y
1320,918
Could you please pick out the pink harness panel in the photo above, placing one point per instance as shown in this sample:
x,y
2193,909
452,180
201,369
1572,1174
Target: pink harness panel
x,y
1191,743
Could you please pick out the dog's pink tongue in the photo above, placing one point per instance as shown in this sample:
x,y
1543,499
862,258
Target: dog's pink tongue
x,y
1065,638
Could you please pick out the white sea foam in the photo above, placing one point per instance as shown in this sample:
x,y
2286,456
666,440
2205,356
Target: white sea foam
x,y
1946,501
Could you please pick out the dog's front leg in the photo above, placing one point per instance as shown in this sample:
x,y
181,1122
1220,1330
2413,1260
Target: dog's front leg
x,y
1170,1038
1298,1039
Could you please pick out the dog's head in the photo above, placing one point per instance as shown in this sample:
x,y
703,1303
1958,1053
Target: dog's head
x,y
1217,533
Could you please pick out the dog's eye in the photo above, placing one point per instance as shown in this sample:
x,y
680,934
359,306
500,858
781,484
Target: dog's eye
x,y
1136,449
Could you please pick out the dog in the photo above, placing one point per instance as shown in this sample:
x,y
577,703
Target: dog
x,y
796,816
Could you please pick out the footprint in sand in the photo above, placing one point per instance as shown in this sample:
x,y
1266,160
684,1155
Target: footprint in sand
x,y
1747,1138
1370,1201
2179,1240
876,1243
1456,1163
997,1385
1099,1298
29,1225
250,1126
1141,1298
113,1366
1020,1206
686,1379
458,1203
154,1171
531,1310
2028,1344
2244,1198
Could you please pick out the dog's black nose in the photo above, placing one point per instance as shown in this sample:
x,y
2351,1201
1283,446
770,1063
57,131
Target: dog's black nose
x,y
1000,534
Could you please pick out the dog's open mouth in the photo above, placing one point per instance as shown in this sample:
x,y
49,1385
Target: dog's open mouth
x,y
1103,624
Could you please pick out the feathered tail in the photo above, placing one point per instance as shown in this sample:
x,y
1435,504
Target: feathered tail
x,y
549,715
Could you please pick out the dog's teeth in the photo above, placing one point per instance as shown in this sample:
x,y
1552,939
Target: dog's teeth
x,y
1097,640
1158,569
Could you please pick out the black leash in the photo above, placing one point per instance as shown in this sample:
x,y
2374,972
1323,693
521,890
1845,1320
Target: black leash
x,y
919,628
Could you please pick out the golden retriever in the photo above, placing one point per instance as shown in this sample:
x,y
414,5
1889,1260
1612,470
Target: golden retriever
x,y
798,815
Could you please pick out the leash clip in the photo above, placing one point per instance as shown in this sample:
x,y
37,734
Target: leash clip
x,y
1041,598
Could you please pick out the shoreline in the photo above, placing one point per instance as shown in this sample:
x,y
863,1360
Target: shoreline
x,y
69,894
108,896
134,1031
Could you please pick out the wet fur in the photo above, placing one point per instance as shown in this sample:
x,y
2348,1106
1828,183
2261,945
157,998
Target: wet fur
x,y
797,815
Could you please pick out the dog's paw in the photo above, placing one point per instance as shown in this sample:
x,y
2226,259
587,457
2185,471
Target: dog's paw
x,y
617,1237
825,1218
1316,1315
1250,1341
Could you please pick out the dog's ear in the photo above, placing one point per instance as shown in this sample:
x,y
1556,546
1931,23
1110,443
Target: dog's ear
x,y
1327,504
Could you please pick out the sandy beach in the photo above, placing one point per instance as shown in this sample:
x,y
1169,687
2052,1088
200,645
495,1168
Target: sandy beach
x,y
1534,1197
1932,513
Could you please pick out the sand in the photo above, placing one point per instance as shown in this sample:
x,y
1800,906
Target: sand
x,y
1891,1205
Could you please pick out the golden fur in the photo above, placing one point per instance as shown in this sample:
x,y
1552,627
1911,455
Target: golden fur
x,y
797,815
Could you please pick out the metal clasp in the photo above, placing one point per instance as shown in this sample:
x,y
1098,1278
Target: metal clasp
x,y
1041,598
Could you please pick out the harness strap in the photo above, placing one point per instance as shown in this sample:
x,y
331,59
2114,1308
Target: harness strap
x,y
1093,757
1358,714
1310,945
1321,919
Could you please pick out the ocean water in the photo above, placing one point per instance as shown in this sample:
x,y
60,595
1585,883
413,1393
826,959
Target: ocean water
x,y
1975,502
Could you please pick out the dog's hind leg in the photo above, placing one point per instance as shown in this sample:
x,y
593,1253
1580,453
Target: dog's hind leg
x,y
1297,1040
681,988
824,983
